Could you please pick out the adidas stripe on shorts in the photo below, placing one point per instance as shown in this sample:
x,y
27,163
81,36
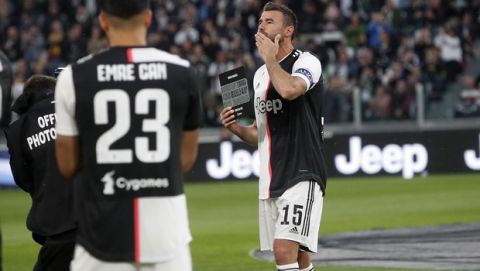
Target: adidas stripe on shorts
x,y
293,216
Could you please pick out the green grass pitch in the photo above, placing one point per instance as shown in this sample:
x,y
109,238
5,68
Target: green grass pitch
x,y
223,216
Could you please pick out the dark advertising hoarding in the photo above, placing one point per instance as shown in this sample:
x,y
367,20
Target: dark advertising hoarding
x,y
404,154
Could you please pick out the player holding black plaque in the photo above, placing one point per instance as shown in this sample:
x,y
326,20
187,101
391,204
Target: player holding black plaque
x,y
235,92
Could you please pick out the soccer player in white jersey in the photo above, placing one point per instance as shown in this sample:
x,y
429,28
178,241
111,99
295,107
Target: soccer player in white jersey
x,y
127,126
288,130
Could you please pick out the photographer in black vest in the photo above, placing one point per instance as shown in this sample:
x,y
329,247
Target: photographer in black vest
x,y
31,143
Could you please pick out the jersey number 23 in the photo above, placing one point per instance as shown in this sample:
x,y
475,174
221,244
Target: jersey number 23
x,y
105,153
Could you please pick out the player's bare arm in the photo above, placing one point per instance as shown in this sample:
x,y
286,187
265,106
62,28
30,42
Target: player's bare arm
x,y
246,133
68,155
288,86
189,149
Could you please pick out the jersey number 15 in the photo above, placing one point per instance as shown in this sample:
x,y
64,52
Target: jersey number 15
x,y
157,125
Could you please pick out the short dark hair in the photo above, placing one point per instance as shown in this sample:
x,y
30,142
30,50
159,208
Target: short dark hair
x,y
288,14
38,83
37,87
123,8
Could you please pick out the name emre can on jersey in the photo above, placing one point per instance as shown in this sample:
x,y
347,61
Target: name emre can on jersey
x,y
127,72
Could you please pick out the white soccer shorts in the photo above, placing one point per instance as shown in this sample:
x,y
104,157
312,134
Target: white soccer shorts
x,y
295,216
84,261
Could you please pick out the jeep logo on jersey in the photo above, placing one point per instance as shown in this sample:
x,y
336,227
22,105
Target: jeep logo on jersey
x,y
268,105
111,183
393,158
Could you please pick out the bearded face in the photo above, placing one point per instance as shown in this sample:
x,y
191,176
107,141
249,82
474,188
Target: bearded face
x,y
271,24
272,36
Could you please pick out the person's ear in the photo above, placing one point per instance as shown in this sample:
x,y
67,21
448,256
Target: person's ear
x,y
289,31
148,18
103,22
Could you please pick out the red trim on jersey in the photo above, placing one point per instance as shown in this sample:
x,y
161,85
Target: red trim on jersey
x,y
129,55
136,229
269,138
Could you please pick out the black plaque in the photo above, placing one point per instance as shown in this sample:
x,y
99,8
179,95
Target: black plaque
x,y
235,91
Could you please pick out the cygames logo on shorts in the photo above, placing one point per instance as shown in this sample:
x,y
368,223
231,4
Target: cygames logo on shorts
x,y
111,183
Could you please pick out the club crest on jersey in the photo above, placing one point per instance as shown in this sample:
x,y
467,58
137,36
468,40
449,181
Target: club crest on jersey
x,y
263,106
110,184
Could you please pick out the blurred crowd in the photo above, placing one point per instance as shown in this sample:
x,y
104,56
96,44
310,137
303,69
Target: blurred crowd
x,y
385,52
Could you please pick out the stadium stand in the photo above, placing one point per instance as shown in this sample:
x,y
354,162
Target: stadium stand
x,y
376,55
